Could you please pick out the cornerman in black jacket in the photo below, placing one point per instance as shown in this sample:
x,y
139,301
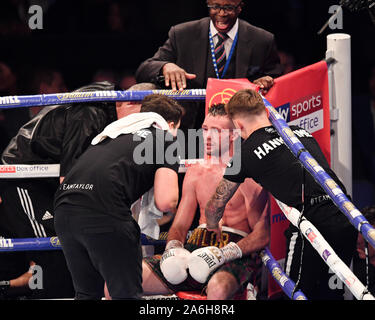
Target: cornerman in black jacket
x,y
58,134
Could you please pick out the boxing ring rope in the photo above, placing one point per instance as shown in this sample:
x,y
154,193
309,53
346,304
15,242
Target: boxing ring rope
x,y
285,283
326,252
94,96
53,243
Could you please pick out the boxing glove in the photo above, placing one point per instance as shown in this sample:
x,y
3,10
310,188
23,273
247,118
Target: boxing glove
x,y
173,263
202,262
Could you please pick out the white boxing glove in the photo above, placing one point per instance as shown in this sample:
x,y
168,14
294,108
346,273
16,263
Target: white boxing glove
x,y
173,263
202,262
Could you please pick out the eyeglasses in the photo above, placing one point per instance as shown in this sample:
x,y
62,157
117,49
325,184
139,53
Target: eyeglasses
x,y
226,9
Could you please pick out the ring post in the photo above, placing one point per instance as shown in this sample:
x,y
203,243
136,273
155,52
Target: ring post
x,y
338,48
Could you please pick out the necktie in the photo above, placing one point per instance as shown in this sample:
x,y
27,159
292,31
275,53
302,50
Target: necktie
x,y
220,52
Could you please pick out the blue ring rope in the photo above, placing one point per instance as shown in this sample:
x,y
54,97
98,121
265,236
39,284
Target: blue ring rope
x,y
94,96
53,243
285,283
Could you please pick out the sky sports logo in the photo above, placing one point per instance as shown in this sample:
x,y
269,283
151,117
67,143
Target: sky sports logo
x,y
306,112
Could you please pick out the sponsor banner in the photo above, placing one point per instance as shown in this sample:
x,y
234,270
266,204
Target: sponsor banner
x,y
302,98
53,170
29,171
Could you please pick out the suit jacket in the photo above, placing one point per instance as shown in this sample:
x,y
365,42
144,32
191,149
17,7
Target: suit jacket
x,y
188,47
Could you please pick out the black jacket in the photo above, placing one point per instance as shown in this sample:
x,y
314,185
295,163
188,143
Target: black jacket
x,y
61,133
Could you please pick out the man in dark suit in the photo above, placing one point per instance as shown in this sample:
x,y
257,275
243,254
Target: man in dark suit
x,y
194,52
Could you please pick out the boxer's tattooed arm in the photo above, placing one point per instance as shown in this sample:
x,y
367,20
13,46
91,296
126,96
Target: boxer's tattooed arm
x,y
215,206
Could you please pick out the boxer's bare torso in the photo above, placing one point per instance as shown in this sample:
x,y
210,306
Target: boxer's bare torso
x,y
242,211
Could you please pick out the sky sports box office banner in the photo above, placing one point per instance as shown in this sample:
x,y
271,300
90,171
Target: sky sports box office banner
x,y
302,98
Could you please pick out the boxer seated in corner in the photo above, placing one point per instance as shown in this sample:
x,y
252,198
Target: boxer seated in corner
x,y
219,269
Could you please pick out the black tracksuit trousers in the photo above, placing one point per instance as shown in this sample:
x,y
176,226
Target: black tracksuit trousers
x,y
100,248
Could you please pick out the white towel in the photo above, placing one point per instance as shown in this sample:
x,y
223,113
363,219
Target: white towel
x,y
148,215
131,124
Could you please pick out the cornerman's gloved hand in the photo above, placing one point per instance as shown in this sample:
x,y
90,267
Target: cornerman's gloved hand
x,y
204,261
173,262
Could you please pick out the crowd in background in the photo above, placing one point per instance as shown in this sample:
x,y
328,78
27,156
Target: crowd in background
x,y
80,37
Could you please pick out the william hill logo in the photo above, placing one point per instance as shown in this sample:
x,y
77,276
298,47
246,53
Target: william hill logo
x,y
222,96
7,169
